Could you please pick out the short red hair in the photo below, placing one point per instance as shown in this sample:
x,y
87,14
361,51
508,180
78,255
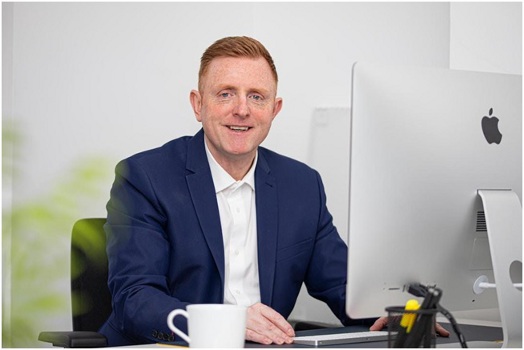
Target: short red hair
x,y
235,46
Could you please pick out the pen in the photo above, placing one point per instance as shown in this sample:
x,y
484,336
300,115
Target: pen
x,y
423,325
406,322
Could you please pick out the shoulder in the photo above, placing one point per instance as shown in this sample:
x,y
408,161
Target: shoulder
x,y
175,148
170,156
283,167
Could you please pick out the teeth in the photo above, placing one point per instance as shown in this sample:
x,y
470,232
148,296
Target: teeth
x,y
239,128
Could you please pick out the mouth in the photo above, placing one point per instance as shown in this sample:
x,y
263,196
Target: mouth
x,y
239,128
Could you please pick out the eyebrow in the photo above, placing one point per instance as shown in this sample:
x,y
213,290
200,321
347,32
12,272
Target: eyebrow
x,y
260,90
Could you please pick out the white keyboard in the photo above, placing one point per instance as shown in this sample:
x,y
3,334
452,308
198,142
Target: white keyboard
x,y
342,338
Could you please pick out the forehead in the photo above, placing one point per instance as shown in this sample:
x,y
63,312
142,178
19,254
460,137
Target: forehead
x,y
241,72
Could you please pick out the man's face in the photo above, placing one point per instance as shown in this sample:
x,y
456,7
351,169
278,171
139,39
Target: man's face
x,y
236,106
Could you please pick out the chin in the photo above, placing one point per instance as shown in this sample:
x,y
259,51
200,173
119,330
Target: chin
x,y
244,152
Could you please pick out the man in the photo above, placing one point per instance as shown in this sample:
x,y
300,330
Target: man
x,y
214,218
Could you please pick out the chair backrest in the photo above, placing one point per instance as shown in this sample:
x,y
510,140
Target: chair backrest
x,y
91,300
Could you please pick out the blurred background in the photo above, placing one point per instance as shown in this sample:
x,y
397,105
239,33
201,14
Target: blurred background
x,y
87,84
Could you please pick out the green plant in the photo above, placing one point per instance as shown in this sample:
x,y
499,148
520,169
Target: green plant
x,y
38,235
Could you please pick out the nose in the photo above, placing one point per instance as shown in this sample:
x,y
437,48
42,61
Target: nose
x,y
241,108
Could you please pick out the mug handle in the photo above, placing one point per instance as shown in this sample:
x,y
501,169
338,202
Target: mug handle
x,y
171,325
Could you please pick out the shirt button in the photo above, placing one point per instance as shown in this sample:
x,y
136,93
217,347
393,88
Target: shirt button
x,y
237,252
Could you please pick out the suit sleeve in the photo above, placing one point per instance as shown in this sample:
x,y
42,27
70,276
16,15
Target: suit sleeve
x,y
138,253
327,273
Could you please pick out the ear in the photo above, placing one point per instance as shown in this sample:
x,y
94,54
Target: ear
x,y
196,102
277,107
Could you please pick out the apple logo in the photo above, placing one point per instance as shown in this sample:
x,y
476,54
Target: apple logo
x,y
490,128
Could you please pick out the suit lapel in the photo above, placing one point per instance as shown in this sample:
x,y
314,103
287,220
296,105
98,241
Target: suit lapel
x,y
267,226
203,195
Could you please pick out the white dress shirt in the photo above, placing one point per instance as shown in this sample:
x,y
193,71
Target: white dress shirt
x,y
237,208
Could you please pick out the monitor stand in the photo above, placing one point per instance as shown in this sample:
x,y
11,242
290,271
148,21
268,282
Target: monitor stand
x,y
503,213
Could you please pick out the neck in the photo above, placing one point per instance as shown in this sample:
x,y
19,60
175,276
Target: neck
x,y
237,168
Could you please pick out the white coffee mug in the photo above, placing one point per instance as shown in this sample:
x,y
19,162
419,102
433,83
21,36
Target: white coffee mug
x,y
212,325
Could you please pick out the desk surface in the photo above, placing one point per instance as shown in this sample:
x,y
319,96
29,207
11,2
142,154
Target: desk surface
x,y
471,333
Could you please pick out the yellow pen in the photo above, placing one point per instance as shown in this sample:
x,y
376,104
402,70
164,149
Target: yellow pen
x,y
408,319
406,322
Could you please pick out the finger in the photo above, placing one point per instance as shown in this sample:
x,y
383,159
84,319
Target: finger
x,y
278,320
379,324
267,322
267,333
264,335
443,332
258,338
264,325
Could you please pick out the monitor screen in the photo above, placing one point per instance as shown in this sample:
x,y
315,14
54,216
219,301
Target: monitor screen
x,y
423,142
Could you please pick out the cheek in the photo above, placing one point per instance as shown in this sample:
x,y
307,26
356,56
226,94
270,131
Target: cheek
x,y
215,112
265,117
206,115
263,128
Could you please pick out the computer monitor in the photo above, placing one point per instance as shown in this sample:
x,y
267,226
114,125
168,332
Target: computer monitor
x,y
424,141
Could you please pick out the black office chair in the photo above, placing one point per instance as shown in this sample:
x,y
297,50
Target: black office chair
x,y
90,297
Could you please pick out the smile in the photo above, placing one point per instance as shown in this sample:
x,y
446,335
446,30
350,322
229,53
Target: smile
x,y
239,128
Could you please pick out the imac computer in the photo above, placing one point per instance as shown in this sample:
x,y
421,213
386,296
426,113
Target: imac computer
x,y
436,190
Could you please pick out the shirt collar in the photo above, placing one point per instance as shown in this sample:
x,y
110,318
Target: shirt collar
x,y
223,180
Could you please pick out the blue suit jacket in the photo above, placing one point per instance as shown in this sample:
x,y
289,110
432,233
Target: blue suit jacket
x,y
164,239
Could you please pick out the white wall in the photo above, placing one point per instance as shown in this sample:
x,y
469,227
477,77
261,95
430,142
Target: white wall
x,y
111,79
121,72
486,37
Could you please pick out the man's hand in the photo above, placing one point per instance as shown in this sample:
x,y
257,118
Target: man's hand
x,y
383,322
379,324
266,326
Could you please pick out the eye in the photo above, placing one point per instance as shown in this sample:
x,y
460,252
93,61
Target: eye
x,y
256,97
224,94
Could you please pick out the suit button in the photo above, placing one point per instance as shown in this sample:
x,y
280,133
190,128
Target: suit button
x,y
154,334
171,338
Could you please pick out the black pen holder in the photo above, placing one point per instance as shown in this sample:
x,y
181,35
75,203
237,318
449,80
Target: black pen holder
x,y
411,328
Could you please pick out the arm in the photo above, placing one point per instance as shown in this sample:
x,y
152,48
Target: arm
x,y
306,242
326,275
138,252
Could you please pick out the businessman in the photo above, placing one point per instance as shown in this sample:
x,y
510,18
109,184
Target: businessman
x,y
216,218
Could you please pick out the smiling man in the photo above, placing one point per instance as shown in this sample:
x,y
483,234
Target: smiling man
x,y
216,218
